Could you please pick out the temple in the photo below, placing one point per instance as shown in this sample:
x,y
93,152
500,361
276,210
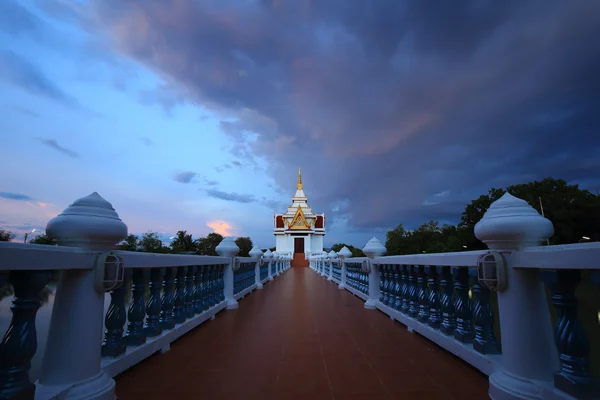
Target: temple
x,y
299,230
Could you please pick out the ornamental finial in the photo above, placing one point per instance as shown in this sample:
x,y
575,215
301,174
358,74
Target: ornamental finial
x,y
299,180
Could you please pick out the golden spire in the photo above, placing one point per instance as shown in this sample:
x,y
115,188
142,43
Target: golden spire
x,y
299,180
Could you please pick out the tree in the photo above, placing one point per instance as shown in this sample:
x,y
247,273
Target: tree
x,y
245,245
397,241
151,243
206,245
183,243
129,244
43,239
6,236
356,252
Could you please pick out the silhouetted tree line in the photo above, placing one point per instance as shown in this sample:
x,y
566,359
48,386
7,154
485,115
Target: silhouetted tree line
x,y
574,212
183,242
151,242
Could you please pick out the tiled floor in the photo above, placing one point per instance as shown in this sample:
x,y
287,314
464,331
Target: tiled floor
x,y
302,338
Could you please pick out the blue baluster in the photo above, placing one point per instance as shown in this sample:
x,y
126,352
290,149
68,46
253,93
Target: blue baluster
x,y
179,296
573,346
114,343
20,340
434,298
447,302
189,292
462,306
212,297
382,283
153,306
166,309
135,335
413,295
221,283
205,288
405,290
198,289
397,287
485,341
423,294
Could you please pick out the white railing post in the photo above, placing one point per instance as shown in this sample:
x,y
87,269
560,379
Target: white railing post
x,y
276,257
257,253
528,351
73,351
332,257
342,254
373,249
269,258
228,248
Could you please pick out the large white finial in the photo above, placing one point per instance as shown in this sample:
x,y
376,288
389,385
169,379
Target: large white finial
x,y
374,248
227,247
511,224
89,222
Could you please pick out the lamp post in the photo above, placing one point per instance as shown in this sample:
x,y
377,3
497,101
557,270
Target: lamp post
x,y
27,234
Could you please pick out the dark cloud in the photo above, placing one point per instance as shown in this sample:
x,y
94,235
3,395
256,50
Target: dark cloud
x,y
210,182
15,196
385,104
17,71
165,96
53,144
236,163
185,177
230,196
24,111
222,168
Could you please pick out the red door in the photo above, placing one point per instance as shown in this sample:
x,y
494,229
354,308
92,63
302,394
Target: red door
x,y
298,245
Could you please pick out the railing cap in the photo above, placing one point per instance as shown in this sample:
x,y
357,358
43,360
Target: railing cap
x,y
345,252
511,224
268,255
90,222
255,252
374,248
227,247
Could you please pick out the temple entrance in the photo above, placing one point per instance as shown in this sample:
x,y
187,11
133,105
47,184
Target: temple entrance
x,y
299,259
298,245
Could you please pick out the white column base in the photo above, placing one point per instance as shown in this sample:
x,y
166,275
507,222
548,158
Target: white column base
x,y
271,278
232,304
99,387
341,286
259,285
329,278
165,349
371,304
506,386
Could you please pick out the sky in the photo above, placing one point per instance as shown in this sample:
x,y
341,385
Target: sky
x,y
195,115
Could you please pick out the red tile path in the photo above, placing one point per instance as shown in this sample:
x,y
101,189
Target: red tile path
x,y
302,338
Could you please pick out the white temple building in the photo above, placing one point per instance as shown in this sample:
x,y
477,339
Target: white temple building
x,y
299,230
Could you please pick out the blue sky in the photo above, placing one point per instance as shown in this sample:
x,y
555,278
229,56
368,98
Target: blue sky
x,y
194,116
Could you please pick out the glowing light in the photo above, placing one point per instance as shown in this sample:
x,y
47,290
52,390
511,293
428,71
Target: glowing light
x,y
470,294
223,228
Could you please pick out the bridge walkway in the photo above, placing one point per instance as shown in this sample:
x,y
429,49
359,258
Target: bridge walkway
x,y
302,338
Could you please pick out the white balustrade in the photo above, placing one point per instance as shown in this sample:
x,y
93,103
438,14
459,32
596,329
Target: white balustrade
x,y
77,363
446,298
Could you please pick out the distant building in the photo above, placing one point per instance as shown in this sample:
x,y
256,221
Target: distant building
x,y
299,230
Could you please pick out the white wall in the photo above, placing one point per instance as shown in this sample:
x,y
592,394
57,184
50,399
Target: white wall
x,y
317,244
